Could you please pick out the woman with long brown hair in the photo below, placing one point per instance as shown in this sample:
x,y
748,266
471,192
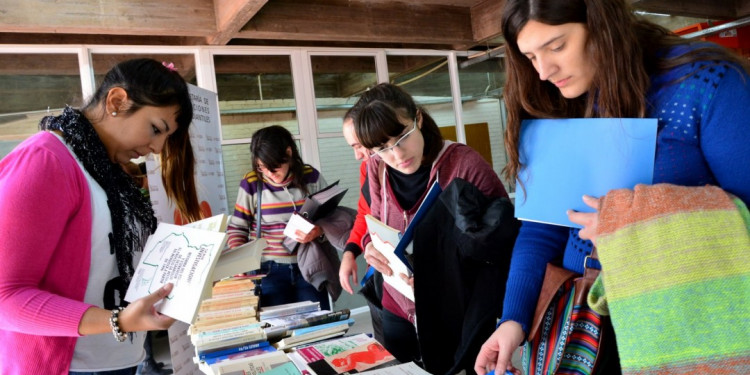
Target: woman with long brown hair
x,y
596,58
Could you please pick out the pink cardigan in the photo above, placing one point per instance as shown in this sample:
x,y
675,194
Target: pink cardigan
x,y
45,256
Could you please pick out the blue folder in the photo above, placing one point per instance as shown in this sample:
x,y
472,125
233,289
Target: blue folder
x,y
563,159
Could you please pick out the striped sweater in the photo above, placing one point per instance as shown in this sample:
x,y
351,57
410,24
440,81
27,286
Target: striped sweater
x,y
278,202
676,274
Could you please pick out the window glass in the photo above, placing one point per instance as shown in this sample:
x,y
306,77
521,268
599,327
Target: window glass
x,y
254,92
484,109
33,86
338,82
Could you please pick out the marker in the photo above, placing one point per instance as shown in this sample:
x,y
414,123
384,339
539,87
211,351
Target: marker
x,y
507,372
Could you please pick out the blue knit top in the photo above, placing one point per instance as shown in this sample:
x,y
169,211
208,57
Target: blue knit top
x,y
703,138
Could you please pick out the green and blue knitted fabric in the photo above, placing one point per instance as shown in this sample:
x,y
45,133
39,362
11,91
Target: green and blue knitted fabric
x,y
675,263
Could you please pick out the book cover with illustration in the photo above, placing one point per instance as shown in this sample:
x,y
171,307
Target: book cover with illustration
x,y
180,255
350,354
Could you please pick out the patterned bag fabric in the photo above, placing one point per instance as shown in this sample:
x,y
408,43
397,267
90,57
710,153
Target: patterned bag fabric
x,y
566,334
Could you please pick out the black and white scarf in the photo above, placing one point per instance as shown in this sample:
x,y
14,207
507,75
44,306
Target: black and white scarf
x,y
132,216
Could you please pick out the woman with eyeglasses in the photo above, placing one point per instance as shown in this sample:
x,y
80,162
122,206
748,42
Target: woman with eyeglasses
x,y
406,140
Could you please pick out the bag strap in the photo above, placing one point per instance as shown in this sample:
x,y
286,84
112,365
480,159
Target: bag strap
x,y
554,278
257,210
591,265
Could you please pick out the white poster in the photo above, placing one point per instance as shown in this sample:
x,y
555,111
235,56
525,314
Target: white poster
x,y
209,172
209,182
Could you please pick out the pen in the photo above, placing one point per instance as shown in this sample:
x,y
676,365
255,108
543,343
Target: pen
x,y
505,373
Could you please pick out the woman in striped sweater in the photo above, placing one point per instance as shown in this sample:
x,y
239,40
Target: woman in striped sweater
x,y
282,181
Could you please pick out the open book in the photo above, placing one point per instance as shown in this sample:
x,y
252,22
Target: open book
x,y
397,247
183,256
316,206
566,158
190,257
322,202
385,239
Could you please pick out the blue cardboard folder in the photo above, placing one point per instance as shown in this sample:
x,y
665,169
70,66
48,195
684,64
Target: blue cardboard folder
x,y
564,159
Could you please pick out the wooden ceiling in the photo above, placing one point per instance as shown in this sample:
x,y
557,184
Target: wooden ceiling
x,y
441,24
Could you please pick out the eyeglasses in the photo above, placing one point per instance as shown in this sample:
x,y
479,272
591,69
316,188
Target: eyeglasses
x,y
382,150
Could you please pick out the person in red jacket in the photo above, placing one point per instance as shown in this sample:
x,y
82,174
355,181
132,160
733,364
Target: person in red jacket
x,y
348,269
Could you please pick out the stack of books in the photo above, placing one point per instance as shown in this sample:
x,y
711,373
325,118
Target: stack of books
x,y
227,323
244,345
299,323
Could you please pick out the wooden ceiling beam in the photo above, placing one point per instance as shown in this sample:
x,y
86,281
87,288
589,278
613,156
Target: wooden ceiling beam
x,y
743,8
485,21
340,20
231,16
717,9
110,17
142,40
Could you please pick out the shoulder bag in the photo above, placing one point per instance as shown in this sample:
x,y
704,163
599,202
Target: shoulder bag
x,y
566,334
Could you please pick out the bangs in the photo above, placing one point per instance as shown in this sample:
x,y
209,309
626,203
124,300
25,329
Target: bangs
x,y
378,123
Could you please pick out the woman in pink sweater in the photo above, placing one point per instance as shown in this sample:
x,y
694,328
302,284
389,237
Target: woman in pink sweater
x,y
71,220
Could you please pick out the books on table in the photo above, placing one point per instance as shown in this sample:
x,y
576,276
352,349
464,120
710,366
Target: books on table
x,y
180,255
349,354
563,159
256,364
288,309
305,335
281,326
226,326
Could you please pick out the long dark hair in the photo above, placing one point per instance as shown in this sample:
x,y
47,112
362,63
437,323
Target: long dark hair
x,y
378,116
625,50
149,83
269,145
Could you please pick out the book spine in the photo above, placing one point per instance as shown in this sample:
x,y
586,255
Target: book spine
x,y
220,332
245,311
292,311
322,319
218,306
205,338
228,296
319,327
229,343
206,354
307,336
